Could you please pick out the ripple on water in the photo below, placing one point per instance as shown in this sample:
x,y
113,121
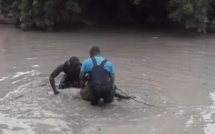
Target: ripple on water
x,y
29,106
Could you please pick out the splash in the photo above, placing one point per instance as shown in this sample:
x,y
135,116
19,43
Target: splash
x,y
24,110
31,73
5,78
35,66
209,117
190,122
33,58
30,107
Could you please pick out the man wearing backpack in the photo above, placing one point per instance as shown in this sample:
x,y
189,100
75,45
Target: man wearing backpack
x,y
101,78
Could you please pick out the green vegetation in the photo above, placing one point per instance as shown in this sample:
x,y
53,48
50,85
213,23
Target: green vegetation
x,y
192,13
40,13
46,14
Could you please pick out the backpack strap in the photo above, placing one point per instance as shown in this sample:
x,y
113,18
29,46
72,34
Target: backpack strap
x,y
103,62
94,61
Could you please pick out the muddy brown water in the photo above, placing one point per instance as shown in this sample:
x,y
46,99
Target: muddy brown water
x,y
174,71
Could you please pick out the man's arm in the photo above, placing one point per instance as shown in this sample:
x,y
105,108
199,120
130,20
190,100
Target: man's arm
x,y
82,79
83,73
112,78
54,74
109,67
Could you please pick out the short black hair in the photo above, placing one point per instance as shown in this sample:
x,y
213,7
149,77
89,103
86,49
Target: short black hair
x,y
94,51
74,61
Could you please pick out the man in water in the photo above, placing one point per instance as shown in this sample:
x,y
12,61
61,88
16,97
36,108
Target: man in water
x,y
71,68
101,79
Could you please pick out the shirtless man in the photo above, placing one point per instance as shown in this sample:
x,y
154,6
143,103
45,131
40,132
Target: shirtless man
x,y
71,69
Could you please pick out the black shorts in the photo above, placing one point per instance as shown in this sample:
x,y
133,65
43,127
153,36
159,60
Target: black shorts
x,y
106,92
67,82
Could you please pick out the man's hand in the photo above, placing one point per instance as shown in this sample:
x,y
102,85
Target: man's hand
x,y
52,77
56,92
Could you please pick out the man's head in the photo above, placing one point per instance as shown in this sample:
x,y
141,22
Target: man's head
x,y
94,51
74,63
